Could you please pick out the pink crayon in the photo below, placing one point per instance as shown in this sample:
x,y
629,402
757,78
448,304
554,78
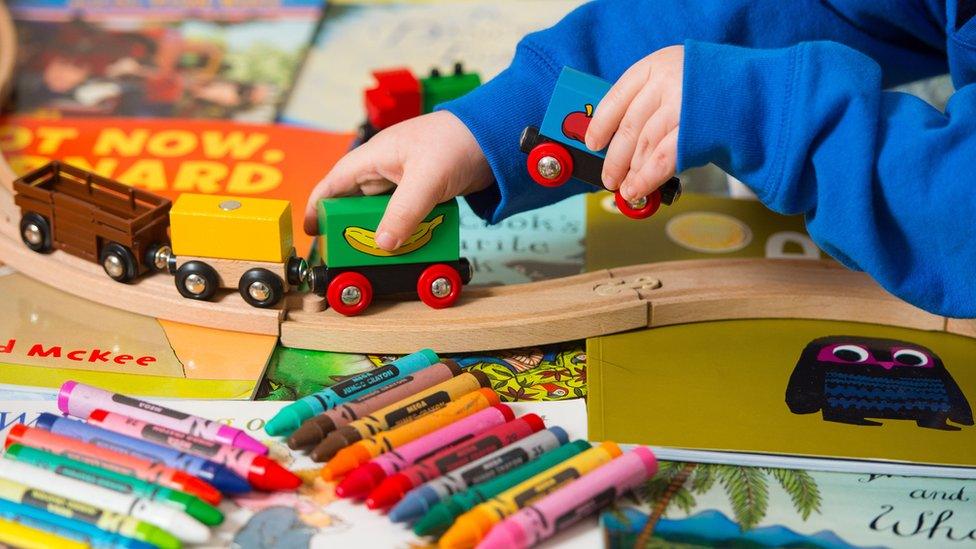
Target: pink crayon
x,y
572,502
80,400
363,479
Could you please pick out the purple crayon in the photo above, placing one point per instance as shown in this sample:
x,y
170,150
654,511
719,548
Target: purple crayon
x,y
80,400
572,502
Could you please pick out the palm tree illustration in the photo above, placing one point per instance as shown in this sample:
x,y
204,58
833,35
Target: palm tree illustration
x,y
747,489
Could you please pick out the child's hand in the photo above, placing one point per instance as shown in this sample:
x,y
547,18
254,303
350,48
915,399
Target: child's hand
x,y
639,119
429,159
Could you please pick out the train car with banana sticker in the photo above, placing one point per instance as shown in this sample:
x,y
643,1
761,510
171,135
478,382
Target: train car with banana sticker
x,y
356,269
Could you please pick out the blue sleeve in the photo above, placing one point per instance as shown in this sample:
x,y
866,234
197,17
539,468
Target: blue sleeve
x,y
884,179
605,37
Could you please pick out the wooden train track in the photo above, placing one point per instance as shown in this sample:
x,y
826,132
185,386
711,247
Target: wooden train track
x,y
538,313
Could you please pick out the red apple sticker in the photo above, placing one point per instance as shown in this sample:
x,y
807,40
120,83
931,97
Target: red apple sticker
x,y
576,123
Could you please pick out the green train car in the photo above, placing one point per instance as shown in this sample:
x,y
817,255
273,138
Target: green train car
x,y
356,270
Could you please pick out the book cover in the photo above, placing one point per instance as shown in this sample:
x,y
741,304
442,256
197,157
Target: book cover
x,y
877,396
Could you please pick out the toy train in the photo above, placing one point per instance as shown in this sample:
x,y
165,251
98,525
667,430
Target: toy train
x,y
557,153
212,242
399,95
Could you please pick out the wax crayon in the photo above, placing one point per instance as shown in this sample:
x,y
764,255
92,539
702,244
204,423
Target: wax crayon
x,y
400,412
366,477
219,476
78,400
574,501
14,534
314,429
84,532
442,515
172,520
419,501
99,517
392,488
260,471
118,482
149,471
364,450
291,417
471,527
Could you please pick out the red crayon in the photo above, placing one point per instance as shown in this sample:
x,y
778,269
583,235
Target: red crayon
x,y
261,472
393,487
149,471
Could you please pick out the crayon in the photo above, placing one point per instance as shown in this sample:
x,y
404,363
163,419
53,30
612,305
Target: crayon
x,y
78,400
219,476
103,519
70,528
260,471
402,411
149,471
442,515
393,487
572,502
118,482
419,501
314,429
35,479
471,527
363,479
291,417
364,450
14,534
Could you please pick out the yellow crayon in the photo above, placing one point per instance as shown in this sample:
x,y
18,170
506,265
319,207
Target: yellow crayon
x,y
471,527
17,535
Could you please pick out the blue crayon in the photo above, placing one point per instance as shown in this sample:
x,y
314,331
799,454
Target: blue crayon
x,y
291,417
220,476
84,532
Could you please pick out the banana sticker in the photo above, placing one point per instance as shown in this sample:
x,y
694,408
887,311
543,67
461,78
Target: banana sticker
x,y
364,240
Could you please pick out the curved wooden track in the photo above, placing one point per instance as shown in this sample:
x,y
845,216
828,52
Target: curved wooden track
x,y
576,307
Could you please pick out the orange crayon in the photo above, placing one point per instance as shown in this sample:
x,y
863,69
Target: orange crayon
x,y
359,453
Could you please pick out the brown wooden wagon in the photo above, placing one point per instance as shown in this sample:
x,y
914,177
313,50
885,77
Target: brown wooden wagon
x,y
95,218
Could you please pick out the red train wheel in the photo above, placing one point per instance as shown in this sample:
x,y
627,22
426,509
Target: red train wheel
x,y
439,286
550,164
349,293
649,205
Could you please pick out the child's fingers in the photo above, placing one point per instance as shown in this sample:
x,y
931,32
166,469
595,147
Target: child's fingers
x,y
412,200
658,126
613,106
359,165
625,141
659,167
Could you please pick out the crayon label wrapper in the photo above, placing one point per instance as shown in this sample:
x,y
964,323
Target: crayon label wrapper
x,y
148,406
366,380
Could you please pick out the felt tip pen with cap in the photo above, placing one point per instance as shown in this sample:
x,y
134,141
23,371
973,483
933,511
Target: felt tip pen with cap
x,y
118,482
359,453
393,487
79,400
70,528
149,471
221,477
168,518
291,417
362,480
419,501
400,412
260,471
15,534
99,517
315,429
574,501
471,527
442,515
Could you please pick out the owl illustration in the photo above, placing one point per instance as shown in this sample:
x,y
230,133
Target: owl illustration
x,y
850,379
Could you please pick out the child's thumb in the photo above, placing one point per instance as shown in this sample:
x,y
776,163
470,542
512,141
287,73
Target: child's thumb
x,y
409,205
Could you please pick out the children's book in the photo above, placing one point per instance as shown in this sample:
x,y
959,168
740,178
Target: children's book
x,y
794,393
691,504
313,516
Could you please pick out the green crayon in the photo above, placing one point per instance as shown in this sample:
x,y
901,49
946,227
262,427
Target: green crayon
x,y
117,482
441,516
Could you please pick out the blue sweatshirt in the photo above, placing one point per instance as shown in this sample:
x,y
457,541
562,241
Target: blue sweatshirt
x,y
786,96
